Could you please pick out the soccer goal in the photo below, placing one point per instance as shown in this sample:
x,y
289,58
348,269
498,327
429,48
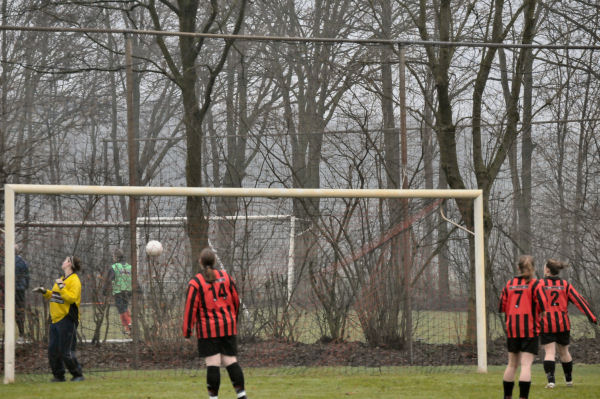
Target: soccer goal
x,y
345,280
151,226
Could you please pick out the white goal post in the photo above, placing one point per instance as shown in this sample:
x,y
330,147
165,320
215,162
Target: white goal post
x,y
176,221
10,190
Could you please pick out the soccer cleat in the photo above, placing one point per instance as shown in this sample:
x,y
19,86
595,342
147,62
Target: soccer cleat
x,y
550,385
570,384
78,378
55,379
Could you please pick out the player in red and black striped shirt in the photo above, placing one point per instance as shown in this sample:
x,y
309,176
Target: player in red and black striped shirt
x,y
556,325
522,301
211,307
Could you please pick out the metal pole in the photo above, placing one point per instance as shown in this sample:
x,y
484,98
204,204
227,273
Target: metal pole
x,y
480,285
241,192
9,285
290,285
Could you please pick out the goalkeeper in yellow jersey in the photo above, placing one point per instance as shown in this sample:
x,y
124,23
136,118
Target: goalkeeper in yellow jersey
x,y
65,298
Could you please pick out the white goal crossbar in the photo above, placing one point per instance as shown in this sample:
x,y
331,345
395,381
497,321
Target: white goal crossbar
x,y
10,190
176,221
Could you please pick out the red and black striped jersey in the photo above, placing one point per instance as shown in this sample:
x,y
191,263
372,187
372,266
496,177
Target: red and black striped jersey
x,y
559,293
211,307
522,302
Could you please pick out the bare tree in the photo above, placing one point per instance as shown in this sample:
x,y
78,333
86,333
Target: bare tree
x,y
440,63
182,67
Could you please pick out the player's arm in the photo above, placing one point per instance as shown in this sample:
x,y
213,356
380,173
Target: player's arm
x,y
582,304
45,293
190,310
540,297
235,298
503,301
27,276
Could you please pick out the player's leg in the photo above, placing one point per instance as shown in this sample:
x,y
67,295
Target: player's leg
x,y
54,356
567,363
229,360
68,345
127,295
121,304
20,312
526,361
549,359
213,375
508,380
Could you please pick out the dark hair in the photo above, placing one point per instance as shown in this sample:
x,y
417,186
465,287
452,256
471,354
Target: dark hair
x,y
75,263
207,261
118,254
555,266
526,266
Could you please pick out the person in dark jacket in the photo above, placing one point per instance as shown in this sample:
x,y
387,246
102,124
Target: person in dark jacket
x,y
21,285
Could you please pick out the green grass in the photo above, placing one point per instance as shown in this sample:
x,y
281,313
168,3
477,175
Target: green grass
x,y
308,383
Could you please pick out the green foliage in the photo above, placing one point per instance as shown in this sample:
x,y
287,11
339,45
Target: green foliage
x,y
321,383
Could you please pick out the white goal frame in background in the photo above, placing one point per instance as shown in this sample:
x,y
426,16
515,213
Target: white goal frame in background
x,y
177,221
10,190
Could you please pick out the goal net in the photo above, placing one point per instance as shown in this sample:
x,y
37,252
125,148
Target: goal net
x,y
327,278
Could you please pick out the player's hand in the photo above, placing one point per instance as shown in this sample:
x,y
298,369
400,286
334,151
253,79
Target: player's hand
x,y
41,290
60,283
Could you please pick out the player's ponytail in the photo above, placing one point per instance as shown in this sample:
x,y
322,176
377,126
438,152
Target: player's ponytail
x,y
526,267
555,266
207,261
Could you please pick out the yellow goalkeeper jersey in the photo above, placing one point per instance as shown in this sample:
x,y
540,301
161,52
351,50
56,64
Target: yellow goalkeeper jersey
x,y
65,301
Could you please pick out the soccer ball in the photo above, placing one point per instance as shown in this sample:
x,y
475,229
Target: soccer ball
x,y
154,248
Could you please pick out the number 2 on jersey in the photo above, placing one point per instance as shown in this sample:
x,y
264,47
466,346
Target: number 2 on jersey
x,y
554,301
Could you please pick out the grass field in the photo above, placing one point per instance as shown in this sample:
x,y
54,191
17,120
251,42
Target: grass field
x,y
310,383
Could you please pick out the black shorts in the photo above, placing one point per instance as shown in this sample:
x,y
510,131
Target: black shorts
x,y
122,301
213,346
561,338
530,345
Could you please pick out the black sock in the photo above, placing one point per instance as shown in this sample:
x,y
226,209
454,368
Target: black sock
x,y
236,375
508,388
524,389
549,367
568,369
213,380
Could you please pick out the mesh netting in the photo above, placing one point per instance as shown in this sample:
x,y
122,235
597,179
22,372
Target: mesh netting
x,y
359,284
